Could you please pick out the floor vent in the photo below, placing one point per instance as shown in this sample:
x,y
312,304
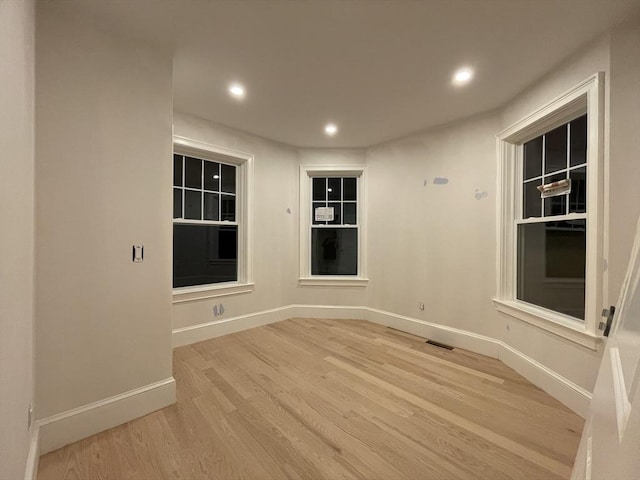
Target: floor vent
x,y
438,344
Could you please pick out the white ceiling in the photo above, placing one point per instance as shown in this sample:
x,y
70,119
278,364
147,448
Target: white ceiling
x,y
379,69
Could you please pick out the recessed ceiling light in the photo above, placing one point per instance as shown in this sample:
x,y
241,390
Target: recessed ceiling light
x,y
236,90
330,129
462,76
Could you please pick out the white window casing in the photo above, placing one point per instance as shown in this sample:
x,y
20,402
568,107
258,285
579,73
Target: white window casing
x,y
587,97
307,173
244,218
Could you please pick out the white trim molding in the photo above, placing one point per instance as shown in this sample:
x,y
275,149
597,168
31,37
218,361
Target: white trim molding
x,y
67,427
33,458
559,387
206,331
562,389
244,211
586,97
188,294
306,173
553,322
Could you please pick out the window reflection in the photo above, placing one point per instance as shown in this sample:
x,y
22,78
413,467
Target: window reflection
x,y
553,256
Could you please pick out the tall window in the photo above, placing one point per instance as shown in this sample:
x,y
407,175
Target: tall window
x,y
205,230
552,225
331,223
334,226
211,220
550,254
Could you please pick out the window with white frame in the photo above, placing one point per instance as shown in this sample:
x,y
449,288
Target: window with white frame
x,y
551,224
210,217
550,244
331,225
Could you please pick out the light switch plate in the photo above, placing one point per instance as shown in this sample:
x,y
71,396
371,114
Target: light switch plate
x,y
138,253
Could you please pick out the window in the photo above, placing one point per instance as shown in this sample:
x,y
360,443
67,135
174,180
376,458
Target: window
x,y
331,226
551,232
210,217
550,242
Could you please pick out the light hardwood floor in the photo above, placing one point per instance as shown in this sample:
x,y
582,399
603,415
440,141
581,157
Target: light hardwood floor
x,y
334,399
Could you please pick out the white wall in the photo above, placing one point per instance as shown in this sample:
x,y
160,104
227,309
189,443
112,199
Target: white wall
x,y
103,182
434,242
624,152
17,21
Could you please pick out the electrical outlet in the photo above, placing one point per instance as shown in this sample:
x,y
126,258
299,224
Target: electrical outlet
x,y
421,306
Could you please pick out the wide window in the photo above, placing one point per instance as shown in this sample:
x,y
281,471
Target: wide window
x,y
210,217
332,226
550,242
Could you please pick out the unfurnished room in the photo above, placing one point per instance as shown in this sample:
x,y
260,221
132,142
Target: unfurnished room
x,y
320,239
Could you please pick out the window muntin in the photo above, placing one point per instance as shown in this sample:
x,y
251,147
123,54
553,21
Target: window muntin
x,y
334,242
551,232
203,189
205,230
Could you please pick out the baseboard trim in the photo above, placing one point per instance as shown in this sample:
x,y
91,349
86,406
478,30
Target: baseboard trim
x,y
205,331
333,312
31,469
73,425
432,331
562,389
573,396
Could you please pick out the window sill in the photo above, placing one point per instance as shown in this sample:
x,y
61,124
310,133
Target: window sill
x,y
556,323
201,292
335,281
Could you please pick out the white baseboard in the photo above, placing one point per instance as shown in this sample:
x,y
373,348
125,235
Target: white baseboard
x,y
559,387
562,389
440,333
73,425
205,331
31,470
333,312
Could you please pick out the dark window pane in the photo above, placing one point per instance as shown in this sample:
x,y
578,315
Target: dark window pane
x,y
555,150
334,188
350,189
578,195
228,208
555,205
319,189
334,251
204,254
313,212
192,172
212,176
579,141
177,203
337,213
349,214
228,177
193,205
531,201
533,158
177,170
551,265
211,206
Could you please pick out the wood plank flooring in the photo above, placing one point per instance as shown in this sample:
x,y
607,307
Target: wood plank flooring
x,y
334,399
